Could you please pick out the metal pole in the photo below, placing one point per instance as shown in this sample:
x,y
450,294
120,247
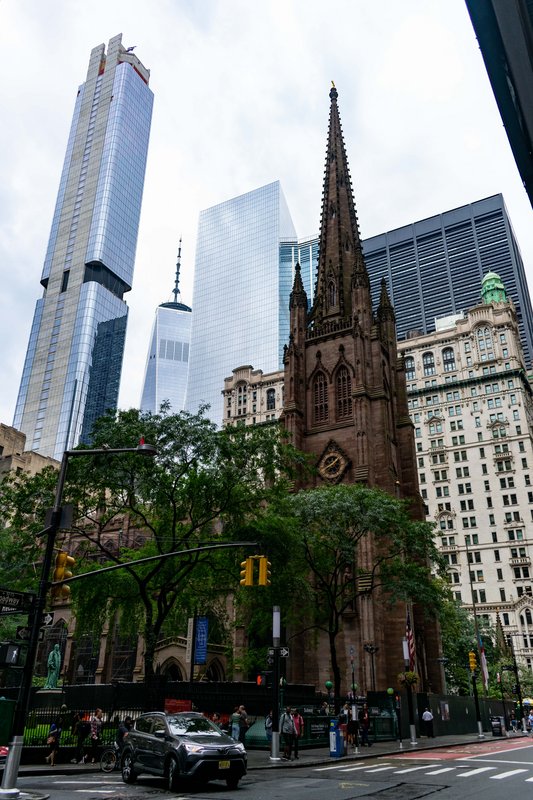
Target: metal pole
x,y
276,638
480,734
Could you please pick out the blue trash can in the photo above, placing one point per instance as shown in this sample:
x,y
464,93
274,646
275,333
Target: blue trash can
x,y
336,740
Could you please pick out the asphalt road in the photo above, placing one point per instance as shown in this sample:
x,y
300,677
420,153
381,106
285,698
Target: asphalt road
x,y
492,770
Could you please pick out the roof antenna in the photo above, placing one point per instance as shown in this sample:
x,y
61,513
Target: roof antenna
x,y
176,289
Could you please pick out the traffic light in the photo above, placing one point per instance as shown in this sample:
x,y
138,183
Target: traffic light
x,y
247,572
61,573
472,661
264,571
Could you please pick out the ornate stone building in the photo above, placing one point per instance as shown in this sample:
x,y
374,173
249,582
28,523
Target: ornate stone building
x,y
346,405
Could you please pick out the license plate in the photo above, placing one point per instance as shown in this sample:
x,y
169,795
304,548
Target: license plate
x,y
223,764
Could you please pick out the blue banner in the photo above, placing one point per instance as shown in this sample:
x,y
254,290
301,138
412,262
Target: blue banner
x,y
200,644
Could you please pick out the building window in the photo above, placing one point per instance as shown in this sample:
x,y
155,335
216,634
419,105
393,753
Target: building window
x,y
448,359
271,399
320,395
410,372
428,362
484,344
344,394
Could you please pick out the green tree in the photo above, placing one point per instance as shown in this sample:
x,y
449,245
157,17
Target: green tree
x,y
336,523
23,503
203,487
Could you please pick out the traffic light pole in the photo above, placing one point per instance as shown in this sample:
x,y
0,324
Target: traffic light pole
x,y
480,734
276,639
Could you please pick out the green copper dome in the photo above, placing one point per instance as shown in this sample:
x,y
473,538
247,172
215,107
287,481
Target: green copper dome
x,y
492,289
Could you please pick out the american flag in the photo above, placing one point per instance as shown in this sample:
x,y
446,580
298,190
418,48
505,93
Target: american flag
x,y
410,642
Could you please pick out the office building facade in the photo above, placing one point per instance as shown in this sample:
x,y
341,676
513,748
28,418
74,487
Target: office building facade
x,y
167,365
471,405
434,267
245,257
73,362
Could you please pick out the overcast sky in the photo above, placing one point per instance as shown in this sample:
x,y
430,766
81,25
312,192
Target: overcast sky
x,y
241,99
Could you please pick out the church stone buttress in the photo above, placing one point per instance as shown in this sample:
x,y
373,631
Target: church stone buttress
x,y
346,406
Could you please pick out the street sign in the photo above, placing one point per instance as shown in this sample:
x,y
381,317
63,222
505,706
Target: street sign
x,y
48,619
22,634
282,651
14,602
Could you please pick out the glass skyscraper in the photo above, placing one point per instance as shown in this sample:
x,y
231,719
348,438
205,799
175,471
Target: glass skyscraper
x,y
73,363
241,291
167,365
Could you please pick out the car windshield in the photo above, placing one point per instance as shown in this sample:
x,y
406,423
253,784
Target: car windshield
x,y
192,726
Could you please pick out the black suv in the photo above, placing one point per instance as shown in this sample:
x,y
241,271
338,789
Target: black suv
x,y
185,744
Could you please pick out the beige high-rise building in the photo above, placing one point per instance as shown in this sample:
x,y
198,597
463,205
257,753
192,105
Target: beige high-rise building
x,y
470,401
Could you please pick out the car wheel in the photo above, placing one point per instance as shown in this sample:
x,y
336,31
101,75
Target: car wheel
x,y
232,783
128,773
173,774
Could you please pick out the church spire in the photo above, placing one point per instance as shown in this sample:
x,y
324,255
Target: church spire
x,y
340,261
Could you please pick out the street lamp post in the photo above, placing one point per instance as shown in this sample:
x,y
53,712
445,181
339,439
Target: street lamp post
x,y
9,780
372,649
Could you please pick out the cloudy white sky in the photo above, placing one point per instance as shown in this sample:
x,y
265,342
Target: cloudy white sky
x,y
241,99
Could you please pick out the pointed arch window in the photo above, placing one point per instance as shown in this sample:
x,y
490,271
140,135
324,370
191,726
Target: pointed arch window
x,y
332,294
428,361
410,372
448,359
343,393
320,398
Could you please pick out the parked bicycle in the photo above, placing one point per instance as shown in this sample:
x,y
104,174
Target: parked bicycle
x,y
110,758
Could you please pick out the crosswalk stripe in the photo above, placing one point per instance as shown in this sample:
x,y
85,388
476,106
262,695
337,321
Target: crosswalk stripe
x,y
380,769
474,772
440,771
353,769
414,769
507,774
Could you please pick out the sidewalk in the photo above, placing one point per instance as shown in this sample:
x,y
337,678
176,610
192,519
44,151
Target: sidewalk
x,y
260,759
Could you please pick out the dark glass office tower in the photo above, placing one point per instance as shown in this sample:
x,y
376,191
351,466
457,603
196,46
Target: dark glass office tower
x,y
73,363
435,267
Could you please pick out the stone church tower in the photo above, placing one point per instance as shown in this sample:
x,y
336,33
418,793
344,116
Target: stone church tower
x,y
346,405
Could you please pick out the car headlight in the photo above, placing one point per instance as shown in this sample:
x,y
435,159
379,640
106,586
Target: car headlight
x,y
194,748
240,747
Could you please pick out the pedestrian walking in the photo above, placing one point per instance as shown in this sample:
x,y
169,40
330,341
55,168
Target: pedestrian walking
x,y
96,733
243,724
122,731
288,731
52,740
352,730
81,728
268,728
364,726
427,719
235,721
298,728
